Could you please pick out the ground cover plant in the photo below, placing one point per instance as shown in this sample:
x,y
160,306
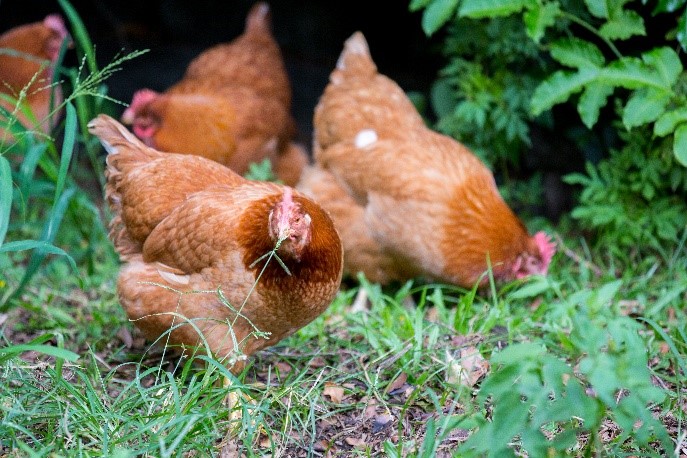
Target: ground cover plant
x,y
589,361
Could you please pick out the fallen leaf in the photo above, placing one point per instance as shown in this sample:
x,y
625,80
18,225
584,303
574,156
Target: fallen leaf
x,y
380,422
357,443
284,368
265,442
320,446
335,392
397,383
317,362
468,369
370,411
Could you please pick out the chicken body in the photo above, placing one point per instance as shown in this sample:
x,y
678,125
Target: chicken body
x,y
182,239
27,63
232,106
408,201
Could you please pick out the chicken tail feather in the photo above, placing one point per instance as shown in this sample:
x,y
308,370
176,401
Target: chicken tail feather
x,y
259,18
124,152
355,58
124,149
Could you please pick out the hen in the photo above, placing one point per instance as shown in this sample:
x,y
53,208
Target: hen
x,y
182,240
27,63
408,201
232,106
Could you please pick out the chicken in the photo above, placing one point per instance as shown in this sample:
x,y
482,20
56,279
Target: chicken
x,y
27,63
408,202
272,253
232,106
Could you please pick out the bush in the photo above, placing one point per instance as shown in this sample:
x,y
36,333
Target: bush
x,y
511,61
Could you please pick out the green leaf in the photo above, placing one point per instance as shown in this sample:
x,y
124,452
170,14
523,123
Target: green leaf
x,y
633,73
592,100
667,6
518,352
666,62
490,8
538,18
680,144
577,53
644,106
443,101
5,196
559,87
534,287
416,5
437,14
667,122
623,25
598,8
682,30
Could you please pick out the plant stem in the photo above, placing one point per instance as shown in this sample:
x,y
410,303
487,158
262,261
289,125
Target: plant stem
x,y
591,28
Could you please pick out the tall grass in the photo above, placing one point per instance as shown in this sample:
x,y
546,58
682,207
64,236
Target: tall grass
x,y
41,176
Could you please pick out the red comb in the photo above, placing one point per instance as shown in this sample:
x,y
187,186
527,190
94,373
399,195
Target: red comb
x,y
547,248
139,100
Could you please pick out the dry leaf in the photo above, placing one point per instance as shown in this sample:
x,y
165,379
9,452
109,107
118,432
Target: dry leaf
x,y
370,411
320,446
357,443
380,422
397,383
284,368
317,362
335,392
468,369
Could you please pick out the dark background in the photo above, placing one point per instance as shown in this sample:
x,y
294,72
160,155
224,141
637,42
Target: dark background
x,y
310,33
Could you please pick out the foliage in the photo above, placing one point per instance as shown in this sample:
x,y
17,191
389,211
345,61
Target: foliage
x,y
512,61
534,396
46,194
636,198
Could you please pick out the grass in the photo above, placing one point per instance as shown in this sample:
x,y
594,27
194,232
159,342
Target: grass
x,y
381,382
590,361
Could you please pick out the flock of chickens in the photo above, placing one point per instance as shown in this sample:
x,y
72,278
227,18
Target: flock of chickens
x,y
212,258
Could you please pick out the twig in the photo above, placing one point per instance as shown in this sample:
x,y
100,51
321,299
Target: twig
x,y
576,257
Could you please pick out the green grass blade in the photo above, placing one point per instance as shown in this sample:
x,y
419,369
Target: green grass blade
x,y
49,231
46,247
14,350
5,196
681,361
81,37
27,169
67,149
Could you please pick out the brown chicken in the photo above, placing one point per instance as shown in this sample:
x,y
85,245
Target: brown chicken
x,y
408,201
27,63
232,106
182,239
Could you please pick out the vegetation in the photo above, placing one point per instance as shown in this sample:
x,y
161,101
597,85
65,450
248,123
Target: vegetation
x,y
589,361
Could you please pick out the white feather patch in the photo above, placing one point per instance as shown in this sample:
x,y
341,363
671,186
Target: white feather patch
x,y
365,138
174,278
108,147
